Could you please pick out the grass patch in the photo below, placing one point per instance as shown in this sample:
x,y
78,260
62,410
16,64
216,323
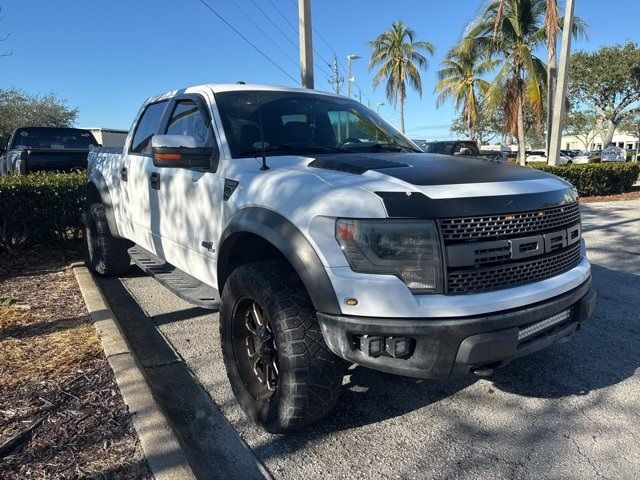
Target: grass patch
x,y
57,392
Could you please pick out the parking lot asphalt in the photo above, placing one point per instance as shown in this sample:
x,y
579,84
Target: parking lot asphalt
x,y
570,411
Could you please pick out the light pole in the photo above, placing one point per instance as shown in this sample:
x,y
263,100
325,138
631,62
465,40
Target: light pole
x,y
350,57
378,105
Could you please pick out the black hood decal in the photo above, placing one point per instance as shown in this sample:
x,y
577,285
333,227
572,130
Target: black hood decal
x,y
356,164
417,205
429,169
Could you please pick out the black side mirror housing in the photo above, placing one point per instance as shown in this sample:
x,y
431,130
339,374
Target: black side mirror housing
x,y
179,151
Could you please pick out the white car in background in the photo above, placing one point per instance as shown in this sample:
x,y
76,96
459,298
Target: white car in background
x,y
541,156
583,157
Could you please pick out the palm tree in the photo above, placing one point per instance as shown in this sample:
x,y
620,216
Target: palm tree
x,y
460,79
399,58
553,26
512,30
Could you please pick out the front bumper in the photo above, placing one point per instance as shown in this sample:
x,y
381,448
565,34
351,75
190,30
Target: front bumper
x,y
453,347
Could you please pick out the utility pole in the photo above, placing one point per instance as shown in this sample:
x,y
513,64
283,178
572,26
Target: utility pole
x,y
336,80
306,43
350,57
378,105
561,88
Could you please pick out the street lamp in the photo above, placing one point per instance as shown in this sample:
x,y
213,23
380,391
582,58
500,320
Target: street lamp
x,y
350,57
378,105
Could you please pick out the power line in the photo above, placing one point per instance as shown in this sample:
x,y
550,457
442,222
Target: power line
x,y
332,50
315,30
247,40
270,20
255,24
295,30
275,25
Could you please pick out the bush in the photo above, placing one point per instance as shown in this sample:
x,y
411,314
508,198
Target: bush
x,y
597,178
41,208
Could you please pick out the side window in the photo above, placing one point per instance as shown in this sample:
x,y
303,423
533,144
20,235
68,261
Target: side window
x,y
146,128
187,119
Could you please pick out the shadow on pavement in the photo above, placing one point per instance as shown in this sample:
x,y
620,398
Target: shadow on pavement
x,y
604,352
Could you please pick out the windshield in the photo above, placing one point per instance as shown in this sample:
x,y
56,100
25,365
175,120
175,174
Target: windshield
x,y
452,148
299,123
55,138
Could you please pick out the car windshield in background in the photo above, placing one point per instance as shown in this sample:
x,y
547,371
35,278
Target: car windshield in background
x,y
53,138
290,123
452,148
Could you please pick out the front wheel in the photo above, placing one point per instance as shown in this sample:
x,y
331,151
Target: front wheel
x,y
280,369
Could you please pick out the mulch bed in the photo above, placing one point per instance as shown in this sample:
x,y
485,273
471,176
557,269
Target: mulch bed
x,y
633,194
61,413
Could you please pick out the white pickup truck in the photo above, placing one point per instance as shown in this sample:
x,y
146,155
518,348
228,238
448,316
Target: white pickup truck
x,y
323,234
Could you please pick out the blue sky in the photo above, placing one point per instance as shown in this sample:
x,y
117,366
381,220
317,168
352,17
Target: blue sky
x,y
107,56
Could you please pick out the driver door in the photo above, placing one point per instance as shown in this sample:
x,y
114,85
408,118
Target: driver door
x,y
189,199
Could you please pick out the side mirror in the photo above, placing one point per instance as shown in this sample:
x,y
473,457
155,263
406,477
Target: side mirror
x,y
179,151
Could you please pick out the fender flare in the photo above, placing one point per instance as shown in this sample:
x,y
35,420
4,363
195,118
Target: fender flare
x,y
96,179
293,245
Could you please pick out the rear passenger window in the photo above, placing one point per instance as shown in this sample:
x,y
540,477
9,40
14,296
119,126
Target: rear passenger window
x,y
187,119
147,127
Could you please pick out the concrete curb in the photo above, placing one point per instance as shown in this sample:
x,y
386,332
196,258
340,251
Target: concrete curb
x,y
158,441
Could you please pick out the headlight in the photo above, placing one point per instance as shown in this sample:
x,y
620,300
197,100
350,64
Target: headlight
x,y
408,249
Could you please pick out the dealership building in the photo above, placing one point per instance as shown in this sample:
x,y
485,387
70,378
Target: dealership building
x,y
594,142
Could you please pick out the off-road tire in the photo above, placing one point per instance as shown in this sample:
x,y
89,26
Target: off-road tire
x,y
108,255
310,375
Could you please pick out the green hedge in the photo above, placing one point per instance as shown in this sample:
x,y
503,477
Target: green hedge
x,y
41,208
48,207
597,178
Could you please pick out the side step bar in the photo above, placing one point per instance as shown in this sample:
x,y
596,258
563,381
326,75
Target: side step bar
x,y
182,284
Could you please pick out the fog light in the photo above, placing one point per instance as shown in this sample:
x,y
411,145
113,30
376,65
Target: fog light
x,y
372,346
398,347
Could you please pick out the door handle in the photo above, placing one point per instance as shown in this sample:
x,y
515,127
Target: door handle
x,y
123,174
154,180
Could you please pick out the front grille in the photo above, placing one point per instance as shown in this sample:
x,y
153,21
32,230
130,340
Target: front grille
x,y
510,275
501,226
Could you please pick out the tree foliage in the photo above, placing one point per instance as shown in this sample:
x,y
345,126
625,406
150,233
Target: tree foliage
x,y
511,30
488,126
608,81
583,125
460,79
399,58
19,109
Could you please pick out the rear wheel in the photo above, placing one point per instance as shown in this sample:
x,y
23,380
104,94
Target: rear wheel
x,y
107,255
280,369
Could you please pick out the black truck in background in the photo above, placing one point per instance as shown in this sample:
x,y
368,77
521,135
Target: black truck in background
x,y
36,149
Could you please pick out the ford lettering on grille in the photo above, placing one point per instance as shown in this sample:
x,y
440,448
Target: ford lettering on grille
x,y
490,252
478,253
